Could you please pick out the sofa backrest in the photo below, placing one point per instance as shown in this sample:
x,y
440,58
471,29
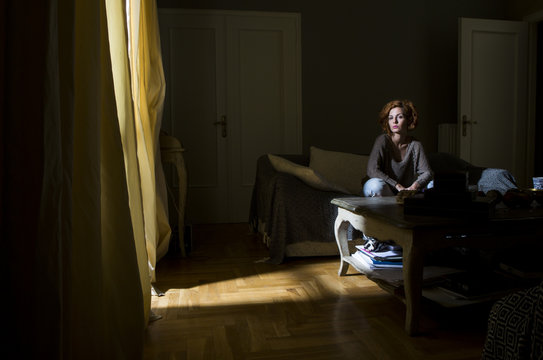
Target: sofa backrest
x,y
344,169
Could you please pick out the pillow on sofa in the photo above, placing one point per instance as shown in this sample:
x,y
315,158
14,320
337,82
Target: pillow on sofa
x,y
344,169
304,173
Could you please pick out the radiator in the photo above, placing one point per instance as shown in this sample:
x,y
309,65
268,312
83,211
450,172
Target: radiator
x,y
447,140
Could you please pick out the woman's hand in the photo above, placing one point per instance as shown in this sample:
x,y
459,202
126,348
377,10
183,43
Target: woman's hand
x,y
414,186
400,187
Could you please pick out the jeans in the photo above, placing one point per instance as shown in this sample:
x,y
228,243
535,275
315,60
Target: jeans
x,y
378,187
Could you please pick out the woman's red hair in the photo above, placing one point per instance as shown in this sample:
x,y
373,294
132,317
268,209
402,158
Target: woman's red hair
x,y
409,112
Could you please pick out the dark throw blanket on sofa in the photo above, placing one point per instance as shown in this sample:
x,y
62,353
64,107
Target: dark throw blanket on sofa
x,y
290,210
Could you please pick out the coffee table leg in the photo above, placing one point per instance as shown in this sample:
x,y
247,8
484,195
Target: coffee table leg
x,y
412,275
340,229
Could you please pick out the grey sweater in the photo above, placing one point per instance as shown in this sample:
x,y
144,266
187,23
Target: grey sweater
x,y
413,167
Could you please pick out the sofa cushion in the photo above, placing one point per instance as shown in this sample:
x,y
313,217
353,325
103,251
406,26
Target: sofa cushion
x,y
344,169
304,173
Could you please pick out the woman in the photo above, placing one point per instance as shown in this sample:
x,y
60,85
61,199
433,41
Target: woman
x,y
397,161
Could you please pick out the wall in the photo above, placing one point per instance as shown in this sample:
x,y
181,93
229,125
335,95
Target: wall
x,y
357,55
518,9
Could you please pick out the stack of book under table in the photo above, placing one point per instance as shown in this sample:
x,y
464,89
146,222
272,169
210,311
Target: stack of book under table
x,y
390,257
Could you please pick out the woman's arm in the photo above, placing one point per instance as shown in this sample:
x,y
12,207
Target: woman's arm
x,y
422,166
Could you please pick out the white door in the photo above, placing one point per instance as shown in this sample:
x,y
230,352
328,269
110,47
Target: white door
x,y
493,65
233,93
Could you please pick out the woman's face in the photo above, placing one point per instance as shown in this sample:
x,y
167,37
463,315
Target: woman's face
x,y
396,121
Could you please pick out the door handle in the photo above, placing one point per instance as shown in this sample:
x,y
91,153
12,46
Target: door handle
x,y
222,123
465,122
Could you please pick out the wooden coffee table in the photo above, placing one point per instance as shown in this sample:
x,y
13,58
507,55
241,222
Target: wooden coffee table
x,y
384,219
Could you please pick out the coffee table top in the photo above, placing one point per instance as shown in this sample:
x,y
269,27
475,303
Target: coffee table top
x,y
387,209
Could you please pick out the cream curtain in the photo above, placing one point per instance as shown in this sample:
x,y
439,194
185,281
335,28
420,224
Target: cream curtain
x,y
78,184
139,90
148,88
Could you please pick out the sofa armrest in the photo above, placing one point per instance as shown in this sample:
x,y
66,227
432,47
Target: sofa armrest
x,y
485,178
444,162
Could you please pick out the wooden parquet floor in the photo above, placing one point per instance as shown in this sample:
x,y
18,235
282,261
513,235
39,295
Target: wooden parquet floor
x,y
222,303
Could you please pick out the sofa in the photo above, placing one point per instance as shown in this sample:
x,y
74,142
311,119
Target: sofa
x,y
290,205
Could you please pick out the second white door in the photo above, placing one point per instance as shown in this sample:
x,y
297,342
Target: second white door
x,y
493,94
